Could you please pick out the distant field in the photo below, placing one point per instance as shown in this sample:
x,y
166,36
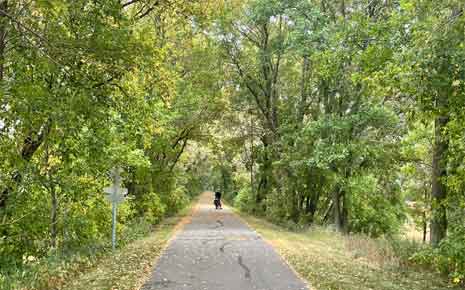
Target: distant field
x,y
412,232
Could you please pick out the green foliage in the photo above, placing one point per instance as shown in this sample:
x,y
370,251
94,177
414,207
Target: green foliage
x,y
373,212
304,111
244,200
448,258
176,200
139,242
337,107
86,87
151,207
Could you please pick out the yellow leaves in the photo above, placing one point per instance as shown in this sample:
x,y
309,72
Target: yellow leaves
x,y
29,259
54,161
157,129
407,5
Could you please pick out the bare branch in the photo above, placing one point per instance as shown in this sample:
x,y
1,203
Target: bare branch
x,y
130,3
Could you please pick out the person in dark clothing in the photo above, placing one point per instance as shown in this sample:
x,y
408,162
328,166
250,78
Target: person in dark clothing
x,y
217,200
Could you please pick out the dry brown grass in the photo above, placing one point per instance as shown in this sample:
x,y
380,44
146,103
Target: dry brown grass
x,y
330,261
377,253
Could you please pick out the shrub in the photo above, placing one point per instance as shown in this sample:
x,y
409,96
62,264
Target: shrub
x,y
175,200
450,256
151,207
244,200
373,212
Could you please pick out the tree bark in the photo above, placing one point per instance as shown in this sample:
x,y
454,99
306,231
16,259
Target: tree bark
x,y
345,212
252,186
424,221
425,226
311,206
265,176
337,209
438,224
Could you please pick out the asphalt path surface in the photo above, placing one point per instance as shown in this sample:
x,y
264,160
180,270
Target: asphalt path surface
x,y
215,250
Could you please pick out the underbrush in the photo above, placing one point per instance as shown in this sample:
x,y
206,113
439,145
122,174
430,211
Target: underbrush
x,y
331,261
47,273
96,267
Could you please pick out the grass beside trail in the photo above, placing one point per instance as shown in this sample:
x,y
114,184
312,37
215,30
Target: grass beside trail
x,y
330,261
130,266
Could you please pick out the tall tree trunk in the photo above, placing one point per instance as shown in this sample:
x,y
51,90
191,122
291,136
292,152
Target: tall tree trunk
x,y
438,224
265,176
337,209
311,206
425,226
424,221
295,206
345,212
252,180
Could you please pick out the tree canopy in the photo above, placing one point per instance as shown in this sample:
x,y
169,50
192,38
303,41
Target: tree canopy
x,y
346,113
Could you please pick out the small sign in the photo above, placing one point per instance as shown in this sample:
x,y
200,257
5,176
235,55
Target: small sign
x,y
116,195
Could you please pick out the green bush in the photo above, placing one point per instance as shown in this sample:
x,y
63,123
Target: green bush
x,y
281,210
244,200
45,273
151,208
175,200
373,211
450,256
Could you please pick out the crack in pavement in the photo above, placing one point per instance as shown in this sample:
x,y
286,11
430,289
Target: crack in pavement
x,y
246,269
165,283
219,224
224,245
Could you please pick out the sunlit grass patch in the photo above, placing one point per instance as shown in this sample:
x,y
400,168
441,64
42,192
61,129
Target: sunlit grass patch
x,y
130,266
331,261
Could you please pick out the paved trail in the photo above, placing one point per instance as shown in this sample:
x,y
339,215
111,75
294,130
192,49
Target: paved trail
x,y
217,251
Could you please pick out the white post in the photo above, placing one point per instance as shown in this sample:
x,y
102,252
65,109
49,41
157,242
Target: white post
x,y
113,226
116,195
